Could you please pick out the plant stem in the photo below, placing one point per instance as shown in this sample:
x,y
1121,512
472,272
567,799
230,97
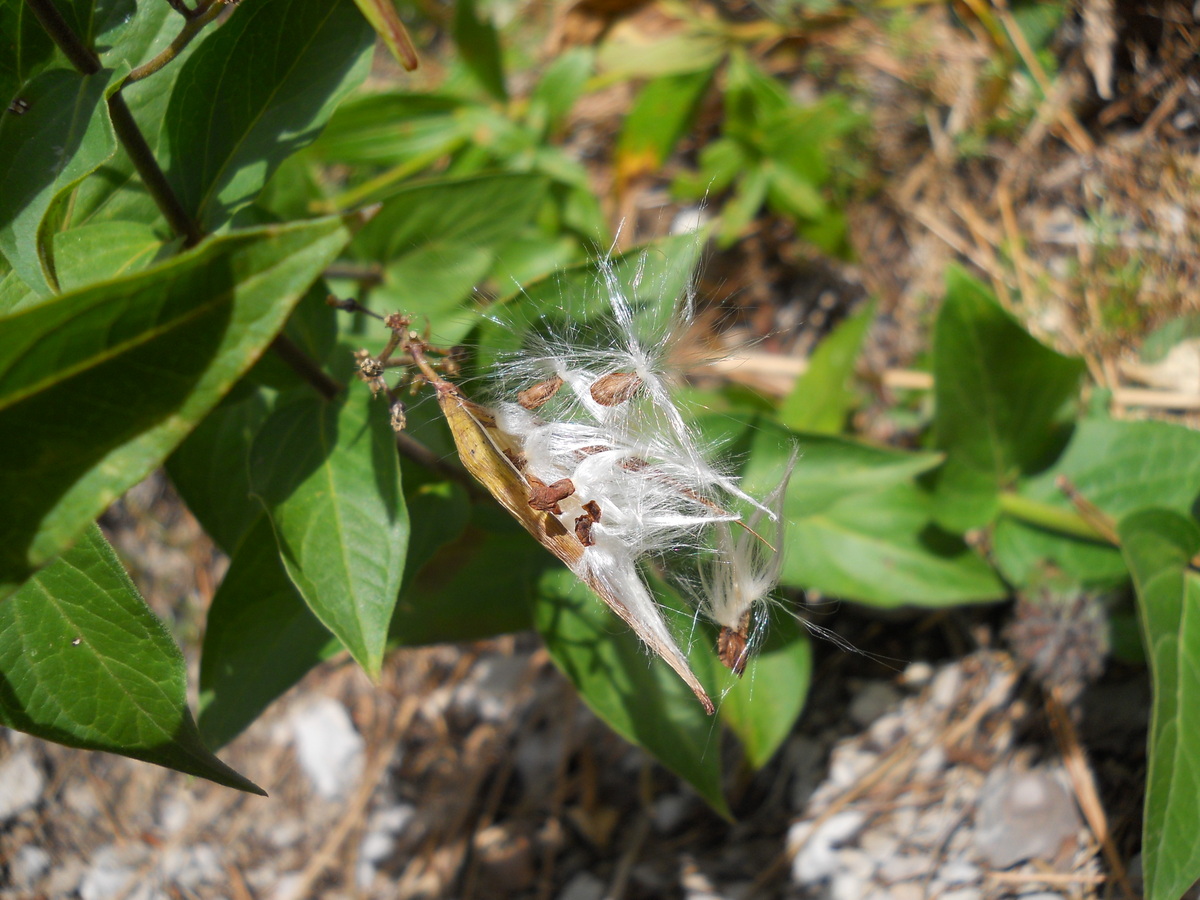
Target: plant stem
x,y
1052,518
152,175
52,22
304,366
195,23
86,62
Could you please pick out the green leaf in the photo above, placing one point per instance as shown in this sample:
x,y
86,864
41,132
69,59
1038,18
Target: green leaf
x,y
1000,397
640,699
103,383
660,116
479,45
84,662
860,529
1159,546
823,396
329,477
763,705
104,250
253,93
743,207
559,88
259,639
65,135
211,470
393,128
439,240
1118,466
475,587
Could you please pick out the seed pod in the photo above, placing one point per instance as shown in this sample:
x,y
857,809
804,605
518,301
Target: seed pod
x,y
733,649
539,395
615,388
398,418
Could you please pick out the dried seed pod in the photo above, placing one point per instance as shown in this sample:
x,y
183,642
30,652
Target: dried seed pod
x,y
539,395
615,388
398,418
733,649
583,525
544,497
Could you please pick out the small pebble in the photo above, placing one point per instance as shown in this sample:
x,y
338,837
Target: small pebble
x,y
328,747
875,699
29,866
21,784
583,886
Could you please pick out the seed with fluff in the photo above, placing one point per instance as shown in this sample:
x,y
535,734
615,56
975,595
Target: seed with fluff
x,y
615,388
539,395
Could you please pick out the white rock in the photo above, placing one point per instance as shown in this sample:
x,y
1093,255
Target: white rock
x,y
21,783
670,811
970,893
492,689
903,868
848,764
107,877
583,886
173,814
193,865
846,886
1023,815
876,698
917,675
959,871
818,856
908,890
328,747
29,865
945,686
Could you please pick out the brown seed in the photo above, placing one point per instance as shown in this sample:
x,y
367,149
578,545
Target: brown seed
x,y
615,388
733,649
539,395
545,497
583,525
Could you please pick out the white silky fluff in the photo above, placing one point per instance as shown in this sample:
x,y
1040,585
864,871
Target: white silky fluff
x,y
638,460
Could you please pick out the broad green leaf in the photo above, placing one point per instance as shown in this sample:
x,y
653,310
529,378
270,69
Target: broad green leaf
x,y
479,46
90,253
626,56
211,470
65,135
1119,467
393,128
474,587
254,92
641,699
559,88
740,210
84,662
1160,547
763,705
1000,396
103,383
860,529
105,250
259,639
660,116
439,241
383,18
824,396
329,477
